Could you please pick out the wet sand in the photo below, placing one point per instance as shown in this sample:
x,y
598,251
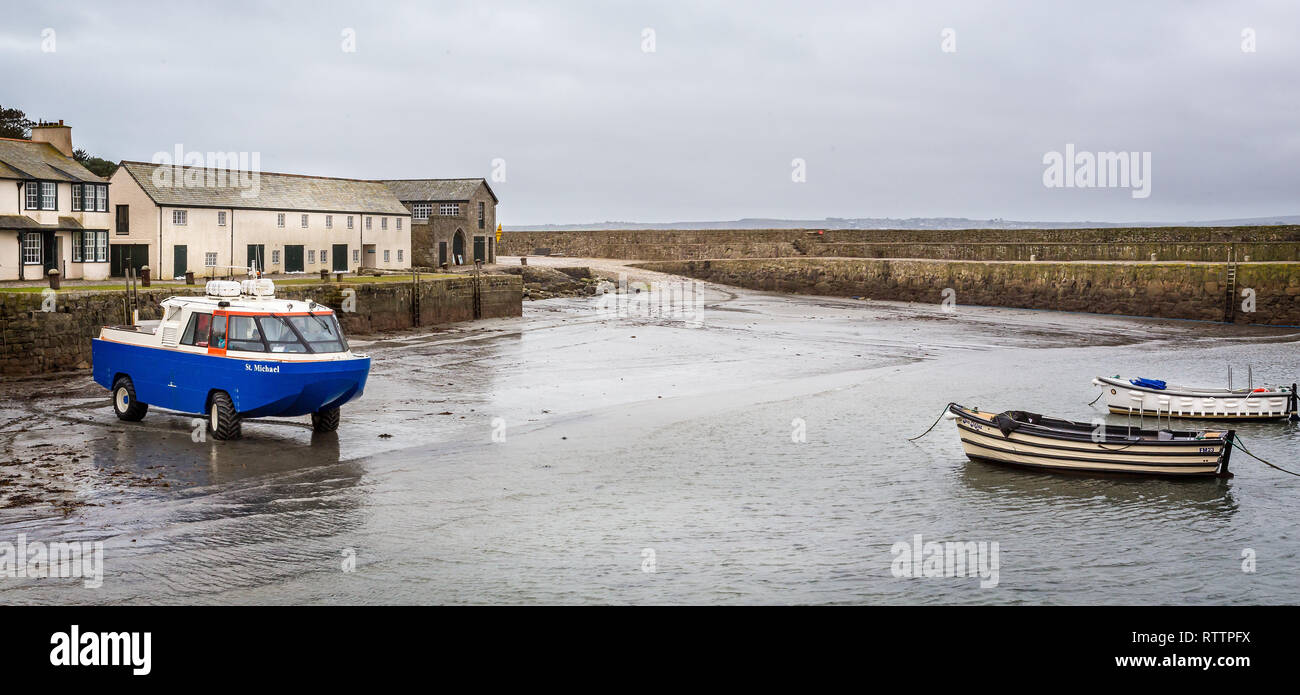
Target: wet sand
x,y
628,433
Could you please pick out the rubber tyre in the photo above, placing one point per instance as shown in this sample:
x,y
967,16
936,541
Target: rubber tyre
x,y
125,404
325,420
223,422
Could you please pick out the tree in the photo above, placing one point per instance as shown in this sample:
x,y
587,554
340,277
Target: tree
x,y
14,124
97,166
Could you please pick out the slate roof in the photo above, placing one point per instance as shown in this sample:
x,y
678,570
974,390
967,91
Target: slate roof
x,y
24,159
27,224
436,190
275,192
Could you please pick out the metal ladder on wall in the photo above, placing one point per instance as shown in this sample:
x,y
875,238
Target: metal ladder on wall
x,y
1230,306
415,298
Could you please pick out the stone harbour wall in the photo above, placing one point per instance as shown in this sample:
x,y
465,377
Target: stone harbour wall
x,y
34,341
1164,290
1277,243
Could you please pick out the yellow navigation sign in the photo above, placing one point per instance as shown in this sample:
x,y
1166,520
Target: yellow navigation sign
x,y
498,232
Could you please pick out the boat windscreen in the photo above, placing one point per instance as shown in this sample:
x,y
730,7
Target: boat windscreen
x,y
321,331
279,336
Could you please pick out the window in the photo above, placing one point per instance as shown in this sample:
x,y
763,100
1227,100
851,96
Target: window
x,y
449,209
279,219
244,334
32,248
180,217
399,224
76,197
102,197
90,247
385,255
33,195
349,221
324,257
279,336
421,211
196,332
480,214
356,255
399,255
210,259
49,196
369,222
383,223
311,256
275,257
321,331
329,221
304,221
218,337
221,218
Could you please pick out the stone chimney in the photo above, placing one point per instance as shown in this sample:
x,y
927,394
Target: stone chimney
x,y
56,134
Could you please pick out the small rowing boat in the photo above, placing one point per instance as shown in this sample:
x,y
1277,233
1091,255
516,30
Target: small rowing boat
x,y
1029,439
1143,397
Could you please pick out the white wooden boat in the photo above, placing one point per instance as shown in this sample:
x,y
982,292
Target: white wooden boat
x,y
1028,439
1144,398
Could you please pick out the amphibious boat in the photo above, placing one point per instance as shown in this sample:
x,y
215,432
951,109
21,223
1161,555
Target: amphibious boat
x,y
1028,439
236,353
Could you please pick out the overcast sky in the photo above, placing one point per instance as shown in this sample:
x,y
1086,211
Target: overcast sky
x,y
593,127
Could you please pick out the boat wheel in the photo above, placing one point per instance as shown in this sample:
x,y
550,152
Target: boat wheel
x,y
223,421
124,402
325,420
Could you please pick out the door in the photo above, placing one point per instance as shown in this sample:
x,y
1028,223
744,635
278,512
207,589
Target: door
x,y
340,257
179,264
257,257
123,256
293,259
123,220
442,253
458,248
480,249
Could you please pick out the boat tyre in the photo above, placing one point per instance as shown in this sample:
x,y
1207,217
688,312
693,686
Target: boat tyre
x,y
124,402
223,421
325,420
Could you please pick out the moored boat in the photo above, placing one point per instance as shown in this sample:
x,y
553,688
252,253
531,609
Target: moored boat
x,y
1150,397
236,353
1029,439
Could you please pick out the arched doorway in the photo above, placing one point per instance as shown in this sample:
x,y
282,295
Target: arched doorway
x,y
458,248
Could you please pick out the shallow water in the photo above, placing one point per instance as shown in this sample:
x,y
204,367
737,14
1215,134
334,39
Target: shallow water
x,y
624,435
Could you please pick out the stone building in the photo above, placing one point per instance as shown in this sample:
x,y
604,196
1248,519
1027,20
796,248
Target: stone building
x,y
453,221
54,213
213,220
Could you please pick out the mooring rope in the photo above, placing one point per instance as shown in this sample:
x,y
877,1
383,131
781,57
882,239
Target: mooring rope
x,y
1237,443
1097,398
927,430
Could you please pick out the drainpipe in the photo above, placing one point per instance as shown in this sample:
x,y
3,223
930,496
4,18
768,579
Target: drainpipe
x,y
160,253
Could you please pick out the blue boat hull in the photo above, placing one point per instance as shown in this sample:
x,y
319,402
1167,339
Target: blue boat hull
x,y
184,381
